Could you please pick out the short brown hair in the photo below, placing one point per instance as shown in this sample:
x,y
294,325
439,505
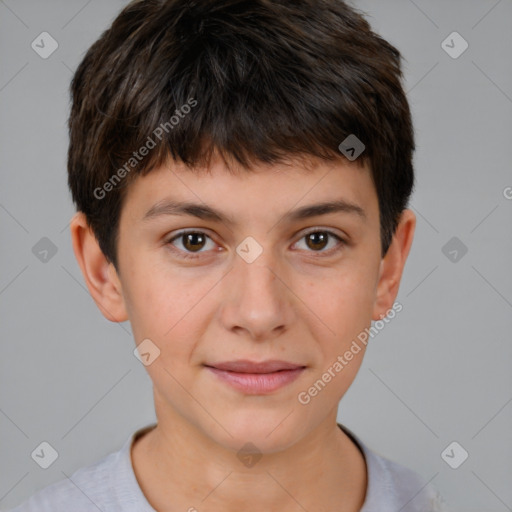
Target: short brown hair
x,y
270,79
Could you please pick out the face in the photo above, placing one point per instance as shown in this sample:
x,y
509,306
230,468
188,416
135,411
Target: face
x,y
258,278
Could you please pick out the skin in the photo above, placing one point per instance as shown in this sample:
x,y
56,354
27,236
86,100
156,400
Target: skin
x,y
298,301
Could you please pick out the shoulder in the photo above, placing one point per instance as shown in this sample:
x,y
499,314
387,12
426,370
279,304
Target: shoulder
x,y
392,486
89,489
399,487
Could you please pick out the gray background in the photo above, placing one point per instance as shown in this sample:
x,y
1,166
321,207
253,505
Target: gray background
x,y
439,372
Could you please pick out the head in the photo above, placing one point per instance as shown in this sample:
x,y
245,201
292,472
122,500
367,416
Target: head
x,y
240,107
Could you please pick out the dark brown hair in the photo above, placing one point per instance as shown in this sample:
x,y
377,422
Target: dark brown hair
x,y
255,80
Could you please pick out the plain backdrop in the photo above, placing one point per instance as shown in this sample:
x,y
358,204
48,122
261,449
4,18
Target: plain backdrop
x,y
438,373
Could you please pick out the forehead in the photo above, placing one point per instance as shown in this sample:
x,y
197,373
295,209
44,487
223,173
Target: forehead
x,y
266,190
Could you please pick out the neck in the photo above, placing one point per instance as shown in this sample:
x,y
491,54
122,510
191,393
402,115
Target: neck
x,y
179,468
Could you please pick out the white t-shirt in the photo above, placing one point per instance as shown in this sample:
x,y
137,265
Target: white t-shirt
x,y
110,485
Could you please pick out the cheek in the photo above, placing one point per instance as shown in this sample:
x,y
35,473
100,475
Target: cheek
x,y
342,303
166,307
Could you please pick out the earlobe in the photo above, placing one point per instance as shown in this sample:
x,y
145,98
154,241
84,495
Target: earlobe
x,y
99,274
392,265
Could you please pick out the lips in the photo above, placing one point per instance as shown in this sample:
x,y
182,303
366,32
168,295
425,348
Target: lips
x,y
254,378
246,366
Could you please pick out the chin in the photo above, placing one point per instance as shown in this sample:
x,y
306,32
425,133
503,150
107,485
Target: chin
x,y
269,433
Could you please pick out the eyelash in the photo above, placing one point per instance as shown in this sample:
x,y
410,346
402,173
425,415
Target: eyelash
x,y
189,255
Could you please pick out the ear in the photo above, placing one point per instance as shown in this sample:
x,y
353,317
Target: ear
x,y
100,275
392,265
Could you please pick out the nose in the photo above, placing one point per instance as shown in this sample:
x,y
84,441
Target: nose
x,y
257,300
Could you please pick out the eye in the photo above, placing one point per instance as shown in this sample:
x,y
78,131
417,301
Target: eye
x,y
319,239
191,241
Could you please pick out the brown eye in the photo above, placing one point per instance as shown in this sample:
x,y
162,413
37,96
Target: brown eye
x,y
192,243
317,241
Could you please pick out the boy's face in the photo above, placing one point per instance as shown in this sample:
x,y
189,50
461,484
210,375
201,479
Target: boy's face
x,y
303,299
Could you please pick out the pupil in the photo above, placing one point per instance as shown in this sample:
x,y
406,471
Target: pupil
x,y
318,237
190,237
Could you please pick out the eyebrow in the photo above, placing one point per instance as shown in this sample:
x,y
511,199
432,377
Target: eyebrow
x,y
205,212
